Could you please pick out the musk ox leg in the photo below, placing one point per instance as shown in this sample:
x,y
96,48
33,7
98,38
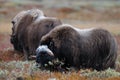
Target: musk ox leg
x,y
26,54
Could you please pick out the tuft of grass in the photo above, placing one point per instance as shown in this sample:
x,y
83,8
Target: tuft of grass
x,y
102,74
118,63
15,69
3,74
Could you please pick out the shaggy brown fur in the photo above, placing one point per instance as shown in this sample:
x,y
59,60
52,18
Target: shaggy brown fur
x,y
29,30
16,20
88,48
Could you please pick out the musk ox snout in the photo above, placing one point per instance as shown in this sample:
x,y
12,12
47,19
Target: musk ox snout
x,y
44,55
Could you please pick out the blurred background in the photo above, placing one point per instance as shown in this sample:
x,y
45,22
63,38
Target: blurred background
x,y
79,13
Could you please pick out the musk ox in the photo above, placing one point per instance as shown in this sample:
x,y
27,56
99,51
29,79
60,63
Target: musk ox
x,y
16,22
28,30
92,48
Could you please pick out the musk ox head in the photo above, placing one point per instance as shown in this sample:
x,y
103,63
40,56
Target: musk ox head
x,y
17,19
56,41
33,13
44,55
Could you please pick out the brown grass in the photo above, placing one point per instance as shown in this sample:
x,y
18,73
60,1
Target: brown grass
x,y
10,55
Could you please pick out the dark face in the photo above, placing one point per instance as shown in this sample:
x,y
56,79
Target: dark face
x,y
14,39
53,43
15,43
44,55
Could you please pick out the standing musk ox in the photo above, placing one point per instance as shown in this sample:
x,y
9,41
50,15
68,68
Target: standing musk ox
x,y
28,28
79,48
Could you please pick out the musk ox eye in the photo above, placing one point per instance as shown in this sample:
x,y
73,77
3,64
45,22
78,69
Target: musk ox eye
x,y
12,29
50,25
51,44
13,22
47,26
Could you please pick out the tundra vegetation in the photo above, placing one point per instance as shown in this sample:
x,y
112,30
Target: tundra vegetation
x,y
84,14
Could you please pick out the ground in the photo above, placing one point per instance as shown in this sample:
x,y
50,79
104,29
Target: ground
x,y
79,13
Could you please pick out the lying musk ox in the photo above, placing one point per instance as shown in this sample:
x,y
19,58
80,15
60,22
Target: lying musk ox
x,y
79,48
28,31
16,22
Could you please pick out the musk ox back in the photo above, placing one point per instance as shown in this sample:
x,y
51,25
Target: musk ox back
x,y
80,48
29,30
